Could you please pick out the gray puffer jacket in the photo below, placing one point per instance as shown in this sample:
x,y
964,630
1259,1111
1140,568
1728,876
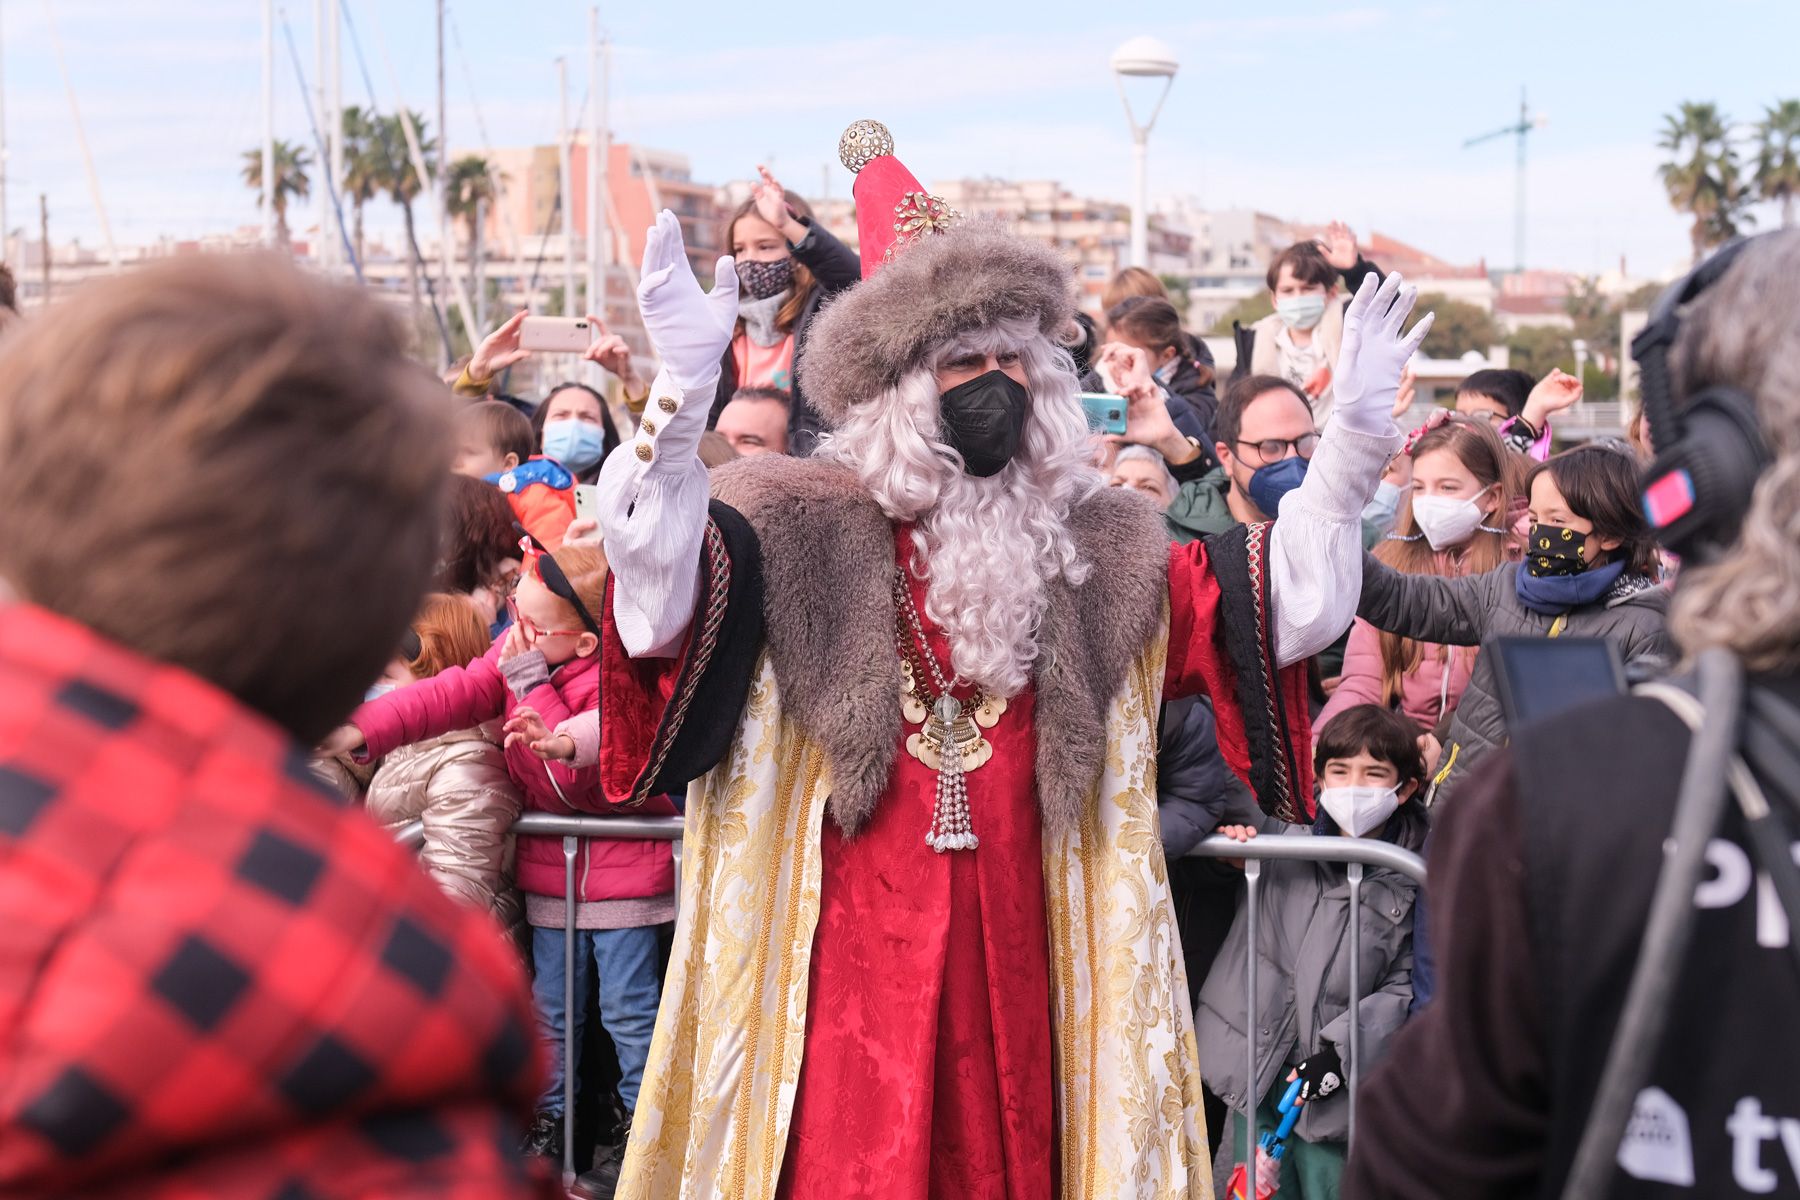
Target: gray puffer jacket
x,y
1463,611
1303,982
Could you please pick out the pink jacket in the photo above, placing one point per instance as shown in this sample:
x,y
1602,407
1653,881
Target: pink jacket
x,y
460,697
1427,692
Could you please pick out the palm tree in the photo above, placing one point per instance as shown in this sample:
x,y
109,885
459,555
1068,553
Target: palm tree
x,y
1778,156
402,183
364,168
1703,179
471,185
291,181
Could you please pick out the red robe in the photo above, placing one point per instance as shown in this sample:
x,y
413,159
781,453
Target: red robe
x,y
929,1061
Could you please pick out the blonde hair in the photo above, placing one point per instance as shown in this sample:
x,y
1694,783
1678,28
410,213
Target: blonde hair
x,y
1744,332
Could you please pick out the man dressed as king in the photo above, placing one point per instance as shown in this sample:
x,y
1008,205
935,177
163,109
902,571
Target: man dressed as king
x,y
924,945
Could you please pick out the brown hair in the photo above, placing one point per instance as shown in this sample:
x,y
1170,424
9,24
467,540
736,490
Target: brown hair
x,y
480,533
500,426
1228,422
227,465
1385,734
450,635
585,567
9,289
1308,263
804,283
1600,484
1132,281
1481,452
1150,320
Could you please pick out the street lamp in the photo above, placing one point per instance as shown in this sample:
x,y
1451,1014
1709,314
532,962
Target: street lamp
x,y
1142,58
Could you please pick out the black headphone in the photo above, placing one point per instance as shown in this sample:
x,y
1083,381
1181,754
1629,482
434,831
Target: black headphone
x,y
1710,451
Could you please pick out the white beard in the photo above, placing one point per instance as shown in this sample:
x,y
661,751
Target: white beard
x,y
989,549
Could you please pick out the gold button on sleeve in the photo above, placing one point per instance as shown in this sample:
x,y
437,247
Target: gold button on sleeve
x,y
644,452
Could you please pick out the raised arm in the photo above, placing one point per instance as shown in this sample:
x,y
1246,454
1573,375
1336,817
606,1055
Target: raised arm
x,y
653,490
1315,549
1426,608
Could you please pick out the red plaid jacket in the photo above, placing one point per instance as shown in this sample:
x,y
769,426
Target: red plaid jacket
x,y
214,979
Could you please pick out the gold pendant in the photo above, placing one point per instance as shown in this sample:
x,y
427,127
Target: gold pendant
x,y
990,712
928,744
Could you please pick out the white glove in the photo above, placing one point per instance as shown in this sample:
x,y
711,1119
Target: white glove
x,y
1373,354
688,328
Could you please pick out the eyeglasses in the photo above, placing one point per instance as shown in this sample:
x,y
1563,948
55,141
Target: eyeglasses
x,y
531,629
1484,414
1275,449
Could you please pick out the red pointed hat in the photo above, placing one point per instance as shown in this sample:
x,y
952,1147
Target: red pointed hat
x,y
893,210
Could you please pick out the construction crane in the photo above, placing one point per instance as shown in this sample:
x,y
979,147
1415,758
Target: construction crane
x,y
1520,129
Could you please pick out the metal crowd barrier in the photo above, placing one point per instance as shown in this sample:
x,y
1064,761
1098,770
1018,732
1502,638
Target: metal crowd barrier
x,y
1357,853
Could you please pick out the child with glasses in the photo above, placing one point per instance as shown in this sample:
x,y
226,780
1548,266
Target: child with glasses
x,y
547,662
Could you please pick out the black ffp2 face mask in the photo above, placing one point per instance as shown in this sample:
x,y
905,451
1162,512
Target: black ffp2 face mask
x,y
984,421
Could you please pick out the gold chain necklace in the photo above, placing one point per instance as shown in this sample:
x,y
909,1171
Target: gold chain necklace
x,y
949,739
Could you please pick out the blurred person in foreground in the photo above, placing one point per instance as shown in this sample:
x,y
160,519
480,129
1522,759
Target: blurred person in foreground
x,y
218,980
1542,872
902,868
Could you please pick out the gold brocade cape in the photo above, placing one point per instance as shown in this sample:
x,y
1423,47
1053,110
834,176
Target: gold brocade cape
x,y
718,1093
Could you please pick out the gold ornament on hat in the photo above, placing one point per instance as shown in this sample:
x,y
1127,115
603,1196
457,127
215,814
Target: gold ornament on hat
x,y
864,142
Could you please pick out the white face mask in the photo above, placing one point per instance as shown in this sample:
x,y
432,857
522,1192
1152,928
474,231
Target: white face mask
x,y
1446,521
1301,312
1358,810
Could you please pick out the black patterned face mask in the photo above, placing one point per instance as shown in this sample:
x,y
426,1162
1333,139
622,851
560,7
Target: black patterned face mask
x,y
764,279
1552,551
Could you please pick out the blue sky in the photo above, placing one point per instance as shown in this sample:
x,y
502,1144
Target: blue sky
x,y
1308,110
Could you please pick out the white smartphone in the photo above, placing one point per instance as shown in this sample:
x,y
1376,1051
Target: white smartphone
x,y
587,500
556,335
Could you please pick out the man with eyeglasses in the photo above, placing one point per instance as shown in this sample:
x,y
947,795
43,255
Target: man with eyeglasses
x,y
1264,437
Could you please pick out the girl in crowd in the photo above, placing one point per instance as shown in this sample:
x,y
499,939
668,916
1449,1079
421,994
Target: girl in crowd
x,y
787,267
456,783
549,660
1452,522
1590,570
1370,776
1153,326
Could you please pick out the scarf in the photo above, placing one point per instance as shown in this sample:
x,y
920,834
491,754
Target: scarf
x,y
1555,595
759,319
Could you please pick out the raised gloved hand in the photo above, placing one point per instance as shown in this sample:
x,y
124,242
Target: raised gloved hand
x,y
1374,353
1320,1075
689,328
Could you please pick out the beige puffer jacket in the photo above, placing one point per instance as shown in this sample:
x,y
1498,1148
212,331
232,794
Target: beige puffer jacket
x,y
458,786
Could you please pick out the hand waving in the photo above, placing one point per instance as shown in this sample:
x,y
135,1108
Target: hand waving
x,y
689,328
1374,353
1339,245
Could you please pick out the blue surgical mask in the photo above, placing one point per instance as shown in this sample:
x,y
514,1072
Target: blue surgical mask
x,y
1301,312
1165,374
1379,514
574,443
377,691
1269,484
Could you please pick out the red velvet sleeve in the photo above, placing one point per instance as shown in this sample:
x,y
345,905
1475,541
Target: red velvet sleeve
x,y
634,696
1200,664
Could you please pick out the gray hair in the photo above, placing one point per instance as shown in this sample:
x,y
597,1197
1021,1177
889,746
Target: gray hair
x,y
1744,332
1135,453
